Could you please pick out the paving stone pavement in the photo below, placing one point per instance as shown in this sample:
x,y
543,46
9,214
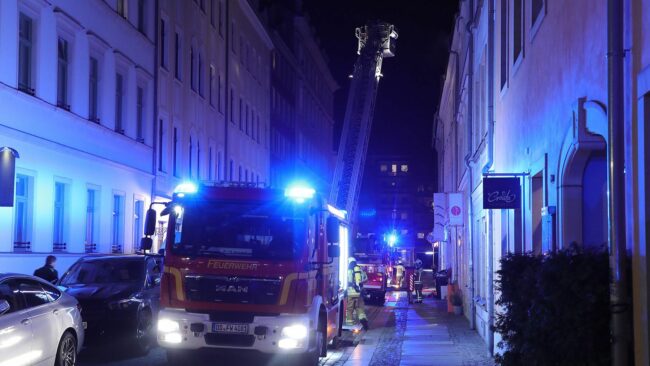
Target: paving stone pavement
x,y
417,334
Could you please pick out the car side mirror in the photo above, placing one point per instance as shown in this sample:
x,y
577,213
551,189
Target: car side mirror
x,y
4,306
146,243
333,251
332,229
150,222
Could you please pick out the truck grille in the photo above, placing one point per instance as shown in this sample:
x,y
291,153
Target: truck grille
x,y
232,290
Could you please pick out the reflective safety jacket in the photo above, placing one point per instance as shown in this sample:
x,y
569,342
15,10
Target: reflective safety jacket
x,y
356,278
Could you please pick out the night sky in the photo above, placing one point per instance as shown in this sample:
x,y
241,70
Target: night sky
x,y
409,91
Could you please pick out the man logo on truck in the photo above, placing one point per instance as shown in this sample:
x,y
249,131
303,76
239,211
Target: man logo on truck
x,y
232,288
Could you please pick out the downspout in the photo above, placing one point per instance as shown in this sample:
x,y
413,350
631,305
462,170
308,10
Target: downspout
x,y
486,169
468,157
227,111
154,154
619,301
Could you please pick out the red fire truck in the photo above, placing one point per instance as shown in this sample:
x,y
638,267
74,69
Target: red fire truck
x,y
251,269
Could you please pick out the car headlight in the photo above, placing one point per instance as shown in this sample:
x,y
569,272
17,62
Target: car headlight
x,y
168,325
295,331
288,343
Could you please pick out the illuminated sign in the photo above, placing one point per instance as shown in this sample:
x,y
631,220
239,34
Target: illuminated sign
x,y
501,193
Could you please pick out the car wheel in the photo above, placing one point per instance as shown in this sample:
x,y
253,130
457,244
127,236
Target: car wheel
x,y
144,332
66,354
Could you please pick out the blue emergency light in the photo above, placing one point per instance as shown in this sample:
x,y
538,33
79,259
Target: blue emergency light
x,y
186,188
299,192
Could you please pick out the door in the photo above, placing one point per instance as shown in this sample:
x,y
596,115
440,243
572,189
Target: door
x,y
15,328
44,317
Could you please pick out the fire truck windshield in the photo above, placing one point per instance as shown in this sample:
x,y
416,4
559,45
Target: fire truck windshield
x,y
239,230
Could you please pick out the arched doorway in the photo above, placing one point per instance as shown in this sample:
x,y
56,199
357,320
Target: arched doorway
x,y
582,173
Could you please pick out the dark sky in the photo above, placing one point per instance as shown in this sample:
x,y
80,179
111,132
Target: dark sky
x,y
409,91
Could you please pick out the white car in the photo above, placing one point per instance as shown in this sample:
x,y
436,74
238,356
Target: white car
x,y
39,325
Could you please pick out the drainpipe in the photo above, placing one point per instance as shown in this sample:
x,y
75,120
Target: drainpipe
x,y
619,301
468,157
227,111
486,169
154,155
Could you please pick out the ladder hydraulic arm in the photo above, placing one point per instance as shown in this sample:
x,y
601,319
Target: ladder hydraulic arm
x,y
376,41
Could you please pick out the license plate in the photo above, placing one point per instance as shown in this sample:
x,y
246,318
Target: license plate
x,y
230,328
85,324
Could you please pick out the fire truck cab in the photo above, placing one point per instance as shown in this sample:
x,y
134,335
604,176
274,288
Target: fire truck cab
x,y
251,269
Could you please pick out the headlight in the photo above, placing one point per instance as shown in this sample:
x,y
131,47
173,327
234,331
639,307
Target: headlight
x,y
168,325
288,343
172,337
295,331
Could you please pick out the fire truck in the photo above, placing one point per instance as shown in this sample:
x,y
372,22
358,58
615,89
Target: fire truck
x,y
251,268
373,258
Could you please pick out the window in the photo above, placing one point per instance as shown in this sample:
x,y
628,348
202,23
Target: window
x,y
241,114
221,16
33,293
122,8
517,29
23,207
404,168
504,42
200,75
240,173
393,168
177,56
163,43
161,147
175,153
25,53
119,103
210,168
93,92
198,159
191,148
219,95
211,85
138,211
141,14
232,106
192,70
62,74
536,9
117,234
247,121
92,220
219,167
383,168
140,115
232,170
58,239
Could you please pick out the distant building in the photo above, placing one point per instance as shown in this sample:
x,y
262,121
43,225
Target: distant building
x,y
536,108
396,199
76,101
302,97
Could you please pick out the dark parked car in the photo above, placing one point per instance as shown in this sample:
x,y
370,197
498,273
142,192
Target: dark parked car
x,y
119,295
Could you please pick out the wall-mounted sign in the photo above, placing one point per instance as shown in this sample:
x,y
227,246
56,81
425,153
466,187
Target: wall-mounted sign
x,y
439,216
455,209
501,193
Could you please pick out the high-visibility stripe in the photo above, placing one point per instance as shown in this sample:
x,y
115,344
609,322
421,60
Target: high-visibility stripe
x,y
178,281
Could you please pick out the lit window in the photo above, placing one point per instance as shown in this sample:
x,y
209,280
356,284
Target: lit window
x,y
404,168
393,168
420,235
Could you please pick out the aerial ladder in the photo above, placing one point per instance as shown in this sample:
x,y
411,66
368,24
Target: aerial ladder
x,y
376,40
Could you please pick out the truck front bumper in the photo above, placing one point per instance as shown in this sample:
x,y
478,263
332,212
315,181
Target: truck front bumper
x,y
286,333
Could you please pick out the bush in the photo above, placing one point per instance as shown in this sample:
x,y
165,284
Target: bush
x,y
555,309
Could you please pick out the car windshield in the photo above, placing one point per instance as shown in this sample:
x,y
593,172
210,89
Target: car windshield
x,y
104,271
250,231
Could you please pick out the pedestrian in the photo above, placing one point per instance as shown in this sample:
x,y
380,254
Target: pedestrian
x,y
399,274
418,281
356,278
48,272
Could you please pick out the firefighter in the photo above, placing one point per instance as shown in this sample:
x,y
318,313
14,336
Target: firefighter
x,y
356,278
418,281
399,274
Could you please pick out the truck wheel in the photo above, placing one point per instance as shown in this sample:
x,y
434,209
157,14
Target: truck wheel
x,y
312,358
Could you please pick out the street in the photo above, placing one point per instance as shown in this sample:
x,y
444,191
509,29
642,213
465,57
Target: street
x,y
400,334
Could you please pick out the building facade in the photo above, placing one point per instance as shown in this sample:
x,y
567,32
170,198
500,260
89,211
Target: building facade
x,y
302,98
525,94
77,96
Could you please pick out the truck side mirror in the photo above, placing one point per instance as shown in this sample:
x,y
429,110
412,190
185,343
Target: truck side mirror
x,y
333,251
332,229
150,222
146,243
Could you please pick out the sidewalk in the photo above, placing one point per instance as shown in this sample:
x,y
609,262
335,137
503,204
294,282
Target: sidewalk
x,y
419,334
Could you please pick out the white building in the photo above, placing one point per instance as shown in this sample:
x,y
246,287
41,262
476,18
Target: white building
x,y
76,102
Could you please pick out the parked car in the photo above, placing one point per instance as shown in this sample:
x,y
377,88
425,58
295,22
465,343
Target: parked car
x,y
120,295
39,325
